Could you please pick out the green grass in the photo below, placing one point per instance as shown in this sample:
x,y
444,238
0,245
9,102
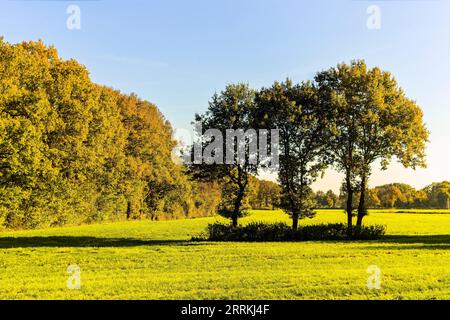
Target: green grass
x,y
156,260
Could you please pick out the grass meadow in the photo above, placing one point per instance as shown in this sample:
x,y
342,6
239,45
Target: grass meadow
x,y
157,260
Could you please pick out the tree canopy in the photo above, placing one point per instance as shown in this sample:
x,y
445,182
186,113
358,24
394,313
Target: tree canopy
x,y
72,151
293,110
369,119
230,112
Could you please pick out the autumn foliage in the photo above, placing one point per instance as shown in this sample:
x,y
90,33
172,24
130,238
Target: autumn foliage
x,y
72,151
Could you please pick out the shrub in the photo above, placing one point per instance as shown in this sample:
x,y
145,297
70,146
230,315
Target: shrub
x,y
371,232
260,232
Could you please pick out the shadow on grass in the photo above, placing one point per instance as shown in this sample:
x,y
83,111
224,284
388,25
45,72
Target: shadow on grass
x,y
84,242
413,242
427,239
401,242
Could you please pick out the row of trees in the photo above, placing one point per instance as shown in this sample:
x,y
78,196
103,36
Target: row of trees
x,y
74,152
263,194
400,195
347,118
395,195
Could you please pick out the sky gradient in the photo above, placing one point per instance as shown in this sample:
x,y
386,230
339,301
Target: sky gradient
x,y
176,54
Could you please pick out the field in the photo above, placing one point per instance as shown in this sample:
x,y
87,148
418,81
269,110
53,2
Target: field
x,y
156,260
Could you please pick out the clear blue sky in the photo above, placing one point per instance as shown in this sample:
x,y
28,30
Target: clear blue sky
x,y
178,53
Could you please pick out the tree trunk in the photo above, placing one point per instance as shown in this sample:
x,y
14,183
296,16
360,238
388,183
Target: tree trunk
x,y
128,209
237,207
349,224
361,206
359,220
295,221
349,207
234,221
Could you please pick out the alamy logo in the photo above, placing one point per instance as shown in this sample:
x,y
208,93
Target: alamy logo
x,y
74,280
230,146
374,280
374,19
73,22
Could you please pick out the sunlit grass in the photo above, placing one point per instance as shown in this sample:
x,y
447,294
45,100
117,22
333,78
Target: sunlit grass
x,y
156,260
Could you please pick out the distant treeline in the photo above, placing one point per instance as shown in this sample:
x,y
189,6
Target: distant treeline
x,y
266,195
395,195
